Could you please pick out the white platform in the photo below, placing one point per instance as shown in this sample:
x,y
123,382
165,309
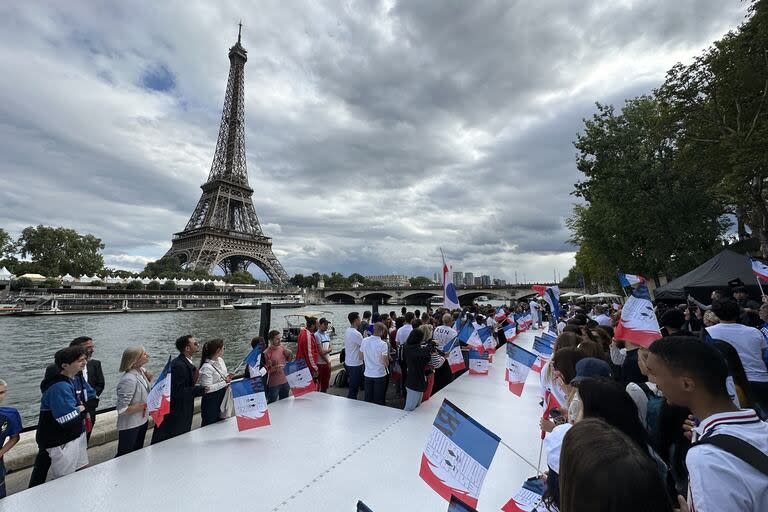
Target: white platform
x,y
322,452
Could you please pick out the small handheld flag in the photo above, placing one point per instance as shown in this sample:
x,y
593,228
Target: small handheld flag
x,y
250,403
551,295
159,397
550,402
543,350
457,455
299,378
510,332
465,332
478,362
528,497
253,360
519,363
638,322
455,357
628,280
500,315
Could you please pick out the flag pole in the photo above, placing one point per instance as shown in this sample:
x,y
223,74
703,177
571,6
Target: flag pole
x,y
757,278
515,452
541,449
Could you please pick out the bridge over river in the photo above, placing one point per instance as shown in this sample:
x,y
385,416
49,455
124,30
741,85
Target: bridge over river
x,y
422,294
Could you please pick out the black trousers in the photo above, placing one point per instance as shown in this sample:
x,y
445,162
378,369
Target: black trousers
x,y
376,389
131,439
40,469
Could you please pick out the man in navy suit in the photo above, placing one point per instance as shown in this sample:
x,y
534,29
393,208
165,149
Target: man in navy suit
x,y
183,392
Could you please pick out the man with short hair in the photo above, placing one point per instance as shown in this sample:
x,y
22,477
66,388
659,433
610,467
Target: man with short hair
x,y
749,308
692,374
376,358
353,358
364,323
307,349
323,354
748,342
444,333
672,322
184,376
400,336
61,424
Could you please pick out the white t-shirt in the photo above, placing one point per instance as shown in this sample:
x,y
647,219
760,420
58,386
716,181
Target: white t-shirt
x,y
352,341
443,334
402,334
720,481
602,319
749,343
373,349
553,443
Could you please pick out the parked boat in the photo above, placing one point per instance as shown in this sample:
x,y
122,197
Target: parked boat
x,y
296,321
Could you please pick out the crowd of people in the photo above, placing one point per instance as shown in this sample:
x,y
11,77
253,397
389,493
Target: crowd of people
x,y
679,424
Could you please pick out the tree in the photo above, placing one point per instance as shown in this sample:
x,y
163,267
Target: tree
x,y
51,282
154,285
59,251
21,283
7,247
210,287
720,106
241,277
573,279
421,281
643,211
197,286
167,266
168,286
135,285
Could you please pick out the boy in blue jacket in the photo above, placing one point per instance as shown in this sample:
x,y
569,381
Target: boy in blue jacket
x,y
10,428
61,428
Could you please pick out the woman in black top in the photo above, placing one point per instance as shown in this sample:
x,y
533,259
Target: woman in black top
x,y
416,359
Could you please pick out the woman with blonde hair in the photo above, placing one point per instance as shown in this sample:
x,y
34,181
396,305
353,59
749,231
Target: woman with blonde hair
x,y
132,390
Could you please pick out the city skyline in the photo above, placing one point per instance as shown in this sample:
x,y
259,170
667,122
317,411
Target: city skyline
x,y
110,117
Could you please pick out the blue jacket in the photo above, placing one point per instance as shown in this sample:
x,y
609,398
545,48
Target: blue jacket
x,y
60,419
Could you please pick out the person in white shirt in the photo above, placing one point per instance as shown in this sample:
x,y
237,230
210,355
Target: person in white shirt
x,y
376,357
693,374
215,378
444,333
600,317
400,337
353,358
323,341
534,306
748,342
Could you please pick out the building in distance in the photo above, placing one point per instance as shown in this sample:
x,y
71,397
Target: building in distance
x,y
391,281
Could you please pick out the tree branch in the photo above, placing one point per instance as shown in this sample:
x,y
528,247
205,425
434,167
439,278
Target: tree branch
x,y
762,99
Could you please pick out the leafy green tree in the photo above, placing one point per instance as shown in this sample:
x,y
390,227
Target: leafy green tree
x,y
197,287
51,282
572,280
154,285
7,246
168,266
642,211
719,104
168,286
209,287
240,277
58,251
420,281
135,285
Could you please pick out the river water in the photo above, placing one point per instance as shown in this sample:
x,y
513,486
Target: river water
x,y
29,343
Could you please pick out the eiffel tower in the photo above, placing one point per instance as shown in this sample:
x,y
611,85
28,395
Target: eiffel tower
x,y
224,229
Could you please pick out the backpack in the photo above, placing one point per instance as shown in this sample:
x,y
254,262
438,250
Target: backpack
x,y
342,355
738,448
341,380
653,415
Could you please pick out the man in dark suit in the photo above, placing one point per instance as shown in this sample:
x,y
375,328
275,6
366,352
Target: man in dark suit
x,y
183,392
92,374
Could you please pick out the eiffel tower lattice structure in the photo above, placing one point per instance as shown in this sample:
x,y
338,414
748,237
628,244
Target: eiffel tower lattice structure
x,y
224,229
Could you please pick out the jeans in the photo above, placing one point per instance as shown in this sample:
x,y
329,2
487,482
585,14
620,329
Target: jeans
x,y
412,399
131,439
355,374
376,389
279,392
2,479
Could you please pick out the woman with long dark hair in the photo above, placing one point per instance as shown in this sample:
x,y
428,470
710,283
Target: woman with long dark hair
x,y
601,468
416,359
214,376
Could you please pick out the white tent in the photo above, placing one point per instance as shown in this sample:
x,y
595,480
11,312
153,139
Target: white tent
x,y
145,280
5,275
67,278
570,294
85,279
602,295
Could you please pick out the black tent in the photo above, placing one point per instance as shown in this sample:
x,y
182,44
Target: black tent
x,y
715,274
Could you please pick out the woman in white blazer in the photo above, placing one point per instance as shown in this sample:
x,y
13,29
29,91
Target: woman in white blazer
x,y
132,390
214,376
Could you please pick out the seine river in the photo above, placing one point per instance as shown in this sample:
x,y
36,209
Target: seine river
x,y
30,342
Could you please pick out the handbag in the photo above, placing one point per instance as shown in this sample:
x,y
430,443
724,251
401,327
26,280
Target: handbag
x,y
227,408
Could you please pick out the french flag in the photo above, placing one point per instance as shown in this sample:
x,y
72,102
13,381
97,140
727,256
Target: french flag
x,y
457,455
638,322
500,315
548,337
478,362
510,332
299,378
550,402
250,403
528,498
543,350
455,357
159,397
628,280
253,361
519,363
760,269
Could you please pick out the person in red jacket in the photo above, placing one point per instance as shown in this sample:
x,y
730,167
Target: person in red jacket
x,y
306,347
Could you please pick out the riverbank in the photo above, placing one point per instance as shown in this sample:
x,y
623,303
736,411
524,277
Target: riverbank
x,y
103,443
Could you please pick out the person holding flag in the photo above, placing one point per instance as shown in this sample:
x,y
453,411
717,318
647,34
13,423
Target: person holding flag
x,y
306,348
131,401
183,392
275,359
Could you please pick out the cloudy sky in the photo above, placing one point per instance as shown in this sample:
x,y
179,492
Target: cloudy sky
x,y
376,132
